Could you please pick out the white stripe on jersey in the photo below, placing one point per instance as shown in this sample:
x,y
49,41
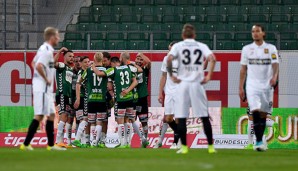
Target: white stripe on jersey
x,y
259,60
170,87
190,55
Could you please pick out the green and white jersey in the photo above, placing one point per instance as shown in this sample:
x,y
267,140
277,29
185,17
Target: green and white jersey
x,y
121,77
64,76
96,86
142,87
83,84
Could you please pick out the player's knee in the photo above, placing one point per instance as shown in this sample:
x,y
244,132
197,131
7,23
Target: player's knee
x,y
38,117
169,118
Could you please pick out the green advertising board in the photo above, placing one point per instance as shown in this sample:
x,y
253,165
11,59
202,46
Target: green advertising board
x,y
15,118
234,121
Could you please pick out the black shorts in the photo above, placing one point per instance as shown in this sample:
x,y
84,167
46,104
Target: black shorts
x,y
64,104
97,111
142,109
82,110
250,114
122,106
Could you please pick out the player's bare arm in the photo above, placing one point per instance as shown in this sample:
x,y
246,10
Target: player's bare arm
x,y
97,72
275,67
162,84
131,87
78,90
212,60
56,57
147,61
170,69
40,70
243,73
139,69
205,64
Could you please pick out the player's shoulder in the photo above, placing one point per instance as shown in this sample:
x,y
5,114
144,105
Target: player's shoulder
x,y
270,46
248,46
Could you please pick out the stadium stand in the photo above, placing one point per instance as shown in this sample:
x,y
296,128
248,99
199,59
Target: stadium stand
x,y
222,24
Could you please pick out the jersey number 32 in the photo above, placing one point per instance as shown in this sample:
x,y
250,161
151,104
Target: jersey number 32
x,y
187,56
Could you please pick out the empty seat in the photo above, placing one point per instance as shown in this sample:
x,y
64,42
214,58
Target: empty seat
x,y
160,45
138,45
295,19
87,27
185,2
97,36
250,2
288,36
176,36
124,10
235,19
257,19
229,2
288,45
160,36
97,45
242,36
84,11
238,45
270,36
119,2
171,19
71,27
74,45
73,36
129,19
204,36
289,2
214,19
292,27
224,36
279,18
225,45
135,36
149,19
166,2
115,36
115,45
106,18
193,18
99,2
271,2
85,19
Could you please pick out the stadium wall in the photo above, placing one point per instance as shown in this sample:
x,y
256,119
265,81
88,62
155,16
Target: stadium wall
x,y
227,111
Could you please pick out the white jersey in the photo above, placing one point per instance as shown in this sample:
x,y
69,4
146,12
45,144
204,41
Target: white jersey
x,y
45,57
170,87
190,55
259,60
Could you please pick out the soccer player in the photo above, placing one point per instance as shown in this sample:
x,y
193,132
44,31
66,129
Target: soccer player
x,y
64,74
97,89
142,90
124,82
169,87
81,105
190,78
76,68
259,63
43,87
131,122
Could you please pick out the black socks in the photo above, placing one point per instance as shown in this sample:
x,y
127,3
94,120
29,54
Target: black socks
x,y
31,131
181,130
207,129
259,125
173,125
50,132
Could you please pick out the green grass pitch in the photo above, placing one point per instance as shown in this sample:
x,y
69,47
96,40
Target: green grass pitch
x,y
146,159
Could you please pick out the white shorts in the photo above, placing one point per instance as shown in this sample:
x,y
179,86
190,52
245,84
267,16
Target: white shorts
x,y
261,100
43,103
169,104
191,94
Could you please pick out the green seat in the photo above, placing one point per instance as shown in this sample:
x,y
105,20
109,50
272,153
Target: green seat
x,y
138,45
273,27
229,2
135,36
144,10
228,10
84,11
98,10
235,19
72,27
141,2
204,36
289,2
202,3
165,2
106,18
74,45
176,36
270,36
119,2
85,19
273,9
288,36
170,19
160,36
149,19
97,36
257,18
292,27
124,10
97,45
289,45
295,19
250,2
224,45
209,43
291,9
111,27
161,45
99,2
115,45
102,27
185,2
128,19
238,45
271,2
175,27
115,36
274,42
73,36
242,36
87,27
193,18
214,19
279,18
224,36
212,10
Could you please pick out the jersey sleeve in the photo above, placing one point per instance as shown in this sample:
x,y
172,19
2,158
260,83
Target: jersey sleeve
x,y
133,68
110,73
61,66
83,75
274,55
206,51
174,51
44,60
164,65
243,60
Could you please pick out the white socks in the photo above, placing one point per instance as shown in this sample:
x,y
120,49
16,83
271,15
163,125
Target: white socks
x,y
145,129
269,122
121,132
163,131
137,129
60,129
250,132
98,129
68,128
92,133
81,129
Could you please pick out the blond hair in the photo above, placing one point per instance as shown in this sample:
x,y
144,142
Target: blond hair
x,y
98,57
49,32
125,55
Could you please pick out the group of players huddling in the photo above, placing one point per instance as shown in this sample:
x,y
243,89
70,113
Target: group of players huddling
x,y
88,90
